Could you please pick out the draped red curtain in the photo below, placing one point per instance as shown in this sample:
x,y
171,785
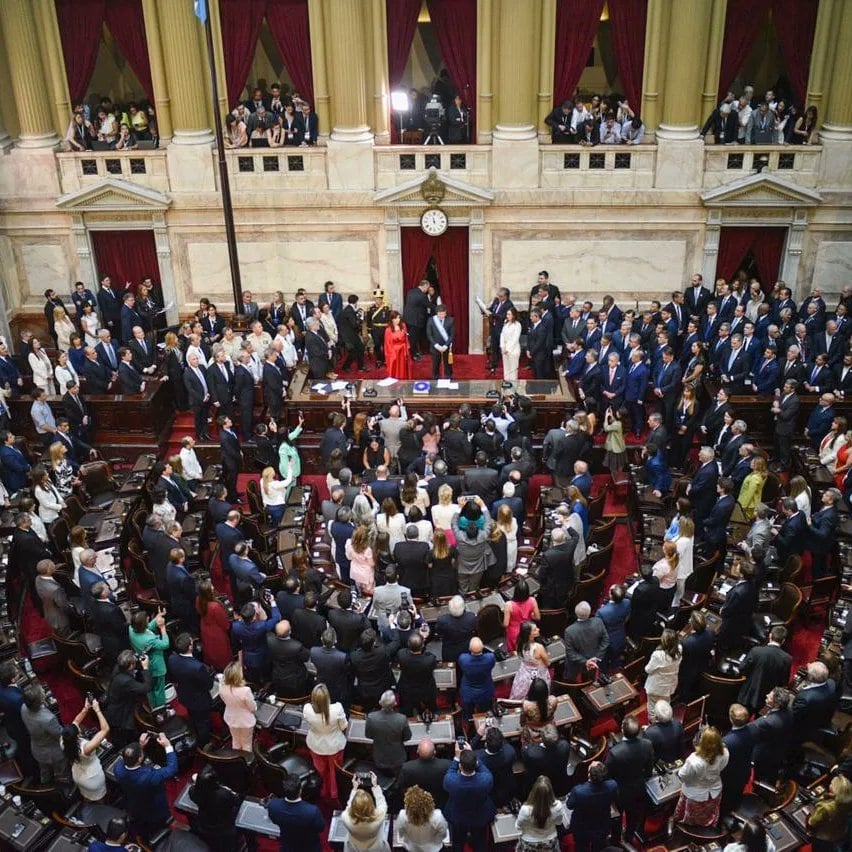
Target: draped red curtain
x,y
241,23
766,247
80,28
743,21
401,26
416,248
455,28
795,24
627,19
288,22
734,244
577,24
126,21
125,256
451,256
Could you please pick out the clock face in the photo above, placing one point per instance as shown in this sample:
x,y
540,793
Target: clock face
x,y
434,221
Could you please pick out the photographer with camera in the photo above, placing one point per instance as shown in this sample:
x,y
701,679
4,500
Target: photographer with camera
x,y
151,639
123,694
364,816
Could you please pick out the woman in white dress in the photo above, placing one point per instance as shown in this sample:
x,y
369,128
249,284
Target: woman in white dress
x,y
510,345
50,502
685,543
534,661
508,523
90,324
82,754
63,327
662,671
41,367
65,372
391,521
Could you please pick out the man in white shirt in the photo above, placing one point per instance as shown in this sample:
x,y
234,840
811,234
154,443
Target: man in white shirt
x,y
192,471
194,348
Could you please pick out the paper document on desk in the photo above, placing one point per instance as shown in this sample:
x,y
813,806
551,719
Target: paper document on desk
x,y
339,384
481,305
320,387
725,588
386,383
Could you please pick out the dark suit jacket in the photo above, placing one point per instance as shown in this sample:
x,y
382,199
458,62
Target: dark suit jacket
x,y
713,420
109,623
348,625
426,774
231,453
123,694
591,382
583,641
193,681
318,361
308,626
221,389
469,801
703,491
141,358
667,740
416,682
129,380
289,675
455,633
74,412
194,388
812,709
484,482
644,603
740,745
334,670
301,825
415,314
228,537
695,659
182,591
243,387
716,523
556,573
737,611
457,448
731,454
158,546
792,537
773,739
785,420
630,764
103,356
434,336
766,667
551,761
412,557
822,529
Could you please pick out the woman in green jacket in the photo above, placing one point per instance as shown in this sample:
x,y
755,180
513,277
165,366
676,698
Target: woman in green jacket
x,y
151,638
289,462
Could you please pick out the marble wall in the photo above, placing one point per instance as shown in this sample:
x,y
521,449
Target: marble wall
x,y
41,265
832,265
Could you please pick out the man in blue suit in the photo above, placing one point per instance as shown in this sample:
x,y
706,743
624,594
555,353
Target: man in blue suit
x,y
740,743
469,809
582,479
792,537
15,467
667,386
249,635
764,376
129,317
107,351
144,787
516,504
334,300
715,527
820,420
301,823
575,360
182,590
229,535
477,687
814,704
821,533
10,375
590,804
193,681
614,381
88,575
11,701
635,388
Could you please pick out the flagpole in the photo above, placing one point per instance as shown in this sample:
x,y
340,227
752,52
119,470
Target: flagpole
x,y
227,208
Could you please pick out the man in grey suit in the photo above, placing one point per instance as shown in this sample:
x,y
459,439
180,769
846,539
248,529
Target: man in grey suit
x,y
389,597
52,596
440,333
45,731
586,642
389,731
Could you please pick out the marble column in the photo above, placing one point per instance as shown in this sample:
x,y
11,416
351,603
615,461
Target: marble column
x,y
380,80
321,99
712,66
53,61
350,146
836,132
656,39
680,151
22,45
546,65
823,53
164,265
484,66
162,105
515,138
221,78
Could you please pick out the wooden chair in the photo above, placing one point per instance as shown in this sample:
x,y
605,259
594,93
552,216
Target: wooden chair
x,y
603,534
553,622
87,678
271,773
58,533
792,568
45,797
692,715
721,693
489,624
598,561
634,671
74,510
596,505
73,648
701,579
98,483
232,768
820,596
588,590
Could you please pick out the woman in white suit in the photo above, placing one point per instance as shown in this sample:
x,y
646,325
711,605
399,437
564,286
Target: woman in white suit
x,y
510,346
41,367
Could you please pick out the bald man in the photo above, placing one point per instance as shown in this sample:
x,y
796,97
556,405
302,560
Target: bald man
x,y
426,771
288,655
477,687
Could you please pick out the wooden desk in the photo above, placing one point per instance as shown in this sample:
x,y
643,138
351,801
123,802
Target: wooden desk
x,y
510,723
603,698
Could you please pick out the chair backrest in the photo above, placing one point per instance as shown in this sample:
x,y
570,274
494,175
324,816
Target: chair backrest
x,y
589,590
74,510
83,680
693,714
143,572
271,773
73,650
599,560
792,568
553,622
822,590
788,602
603,533
634,671
96,477
596,505
489,623
721,693
58,532
231,769
772,486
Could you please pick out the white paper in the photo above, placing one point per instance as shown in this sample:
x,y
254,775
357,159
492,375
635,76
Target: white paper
x,y
386,383
166,308
453,386
481,305
339,384
444,383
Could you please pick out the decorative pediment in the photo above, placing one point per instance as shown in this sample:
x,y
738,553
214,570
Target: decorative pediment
x,y
432,185
761,190
114,196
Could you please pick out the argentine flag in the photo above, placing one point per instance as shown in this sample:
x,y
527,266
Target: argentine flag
x,y
200,10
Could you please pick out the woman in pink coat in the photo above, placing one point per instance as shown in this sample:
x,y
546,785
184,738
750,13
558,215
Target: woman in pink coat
x,y
240,707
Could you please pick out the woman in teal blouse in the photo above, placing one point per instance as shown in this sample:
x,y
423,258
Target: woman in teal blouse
x,y
288,455
151,638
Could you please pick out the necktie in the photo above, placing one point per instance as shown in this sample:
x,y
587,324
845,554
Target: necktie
x,y
611,375
144,346
201,379
732,359
814,374
111,354
224,370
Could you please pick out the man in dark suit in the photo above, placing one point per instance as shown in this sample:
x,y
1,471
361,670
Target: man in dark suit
x,y
417,687
193,681
786,411
426,771
814,704
108,622
15,468
715,528
702,489
456,628
739,742
182,590
697,650
232,456
773,736
415,315
302,823
411,557
820,420
129,379
212,325
229,535
307,623
198,393
586,644
347,624
333,668
556,569
308,124
630,763
613,382
635,389
244,395
714,417
301,310
319,361
830,343
27,551
440,332
540,347
482,481
349,325
549,757
792,537
736,366
76,410
273,383
665,734
497,310
731,451
469,808
289,675
158,546
98,376
567,453
667,386
819,377
220,381
738,609
821,535
644,604
765,667
331,298
143,352
696,296
129,317
383,488
590,806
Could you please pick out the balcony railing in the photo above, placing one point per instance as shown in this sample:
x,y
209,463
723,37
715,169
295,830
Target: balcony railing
x,y
263,168
145,168
401,163
797,163
604,166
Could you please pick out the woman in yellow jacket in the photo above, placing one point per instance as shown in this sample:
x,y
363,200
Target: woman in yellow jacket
x,y
828,824
752,490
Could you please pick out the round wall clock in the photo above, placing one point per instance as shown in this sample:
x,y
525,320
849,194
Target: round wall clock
x,y
434,222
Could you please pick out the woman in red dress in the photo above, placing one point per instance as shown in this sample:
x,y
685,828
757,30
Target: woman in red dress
x,y
215,624
397,353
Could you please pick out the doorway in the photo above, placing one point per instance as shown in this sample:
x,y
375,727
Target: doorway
x,y
755,250
126,256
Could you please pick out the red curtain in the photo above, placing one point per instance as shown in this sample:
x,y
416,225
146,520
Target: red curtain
x,y
576,27
241,23
451,257
455,28
450,251
126,256
743,21
126,22
401,26
627,18
734,244
766,247
288,21
795,24
80,28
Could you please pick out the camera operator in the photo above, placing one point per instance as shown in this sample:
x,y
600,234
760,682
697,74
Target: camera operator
x,y
123,695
